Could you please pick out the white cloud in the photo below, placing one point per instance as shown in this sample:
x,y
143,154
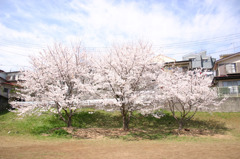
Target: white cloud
x,y
101,22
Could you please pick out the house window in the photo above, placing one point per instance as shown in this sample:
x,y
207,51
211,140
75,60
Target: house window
x,y
233,86
231,83
231,68
5,90
192,59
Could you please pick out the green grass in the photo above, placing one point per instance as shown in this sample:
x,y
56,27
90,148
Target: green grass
x,y
99,119
147,127
11,123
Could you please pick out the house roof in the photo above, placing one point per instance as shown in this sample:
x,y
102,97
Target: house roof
x,y
177,62
3,79
225,58
11,84
228,76
8,83
161,55
162,58
13,72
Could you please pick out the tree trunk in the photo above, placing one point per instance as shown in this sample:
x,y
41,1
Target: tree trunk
x,y
125,122
125,118
69,122
180,126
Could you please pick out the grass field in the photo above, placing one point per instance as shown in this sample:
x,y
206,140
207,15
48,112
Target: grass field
x,y
215,135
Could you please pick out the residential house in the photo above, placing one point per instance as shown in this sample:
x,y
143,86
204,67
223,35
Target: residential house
x,y
162,59
184,65
200,60
193,61
227,75
8,81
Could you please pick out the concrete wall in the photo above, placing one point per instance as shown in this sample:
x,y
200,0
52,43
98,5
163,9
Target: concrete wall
x,y
231,104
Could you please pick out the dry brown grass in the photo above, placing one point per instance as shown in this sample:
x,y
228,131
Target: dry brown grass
x,y
207,136
13,147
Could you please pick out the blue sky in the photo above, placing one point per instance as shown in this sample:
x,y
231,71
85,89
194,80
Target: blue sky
x,y
174,27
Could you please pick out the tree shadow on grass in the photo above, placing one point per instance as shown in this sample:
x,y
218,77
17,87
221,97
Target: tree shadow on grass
x,y
100,119
153,128
215,127
82,119
2,112
141,127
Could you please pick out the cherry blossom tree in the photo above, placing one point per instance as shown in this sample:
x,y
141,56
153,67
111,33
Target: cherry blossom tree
x,y
126,77
186,93
59,79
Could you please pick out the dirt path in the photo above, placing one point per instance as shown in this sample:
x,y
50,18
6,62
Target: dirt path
x,y
24,148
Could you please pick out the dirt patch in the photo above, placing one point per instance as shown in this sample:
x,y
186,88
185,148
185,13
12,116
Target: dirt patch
x,y
99,133
194,132
96,133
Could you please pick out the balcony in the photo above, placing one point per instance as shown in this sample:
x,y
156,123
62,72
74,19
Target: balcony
x,y
230,91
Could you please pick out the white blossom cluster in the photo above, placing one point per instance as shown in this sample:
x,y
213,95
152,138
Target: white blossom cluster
x,y
125,78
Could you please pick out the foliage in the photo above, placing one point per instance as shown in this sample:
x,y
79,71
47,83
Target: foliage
x,y
125,78
59,78
62,79
185,92
60,132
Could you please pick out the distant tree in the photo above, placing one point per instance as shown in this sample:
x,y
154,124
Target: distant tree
x,y
186,93
126,77
59,78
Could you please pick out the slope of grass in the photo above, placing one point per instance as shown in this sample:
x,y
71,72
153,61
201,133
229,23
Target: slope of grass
x,y
148,126
11,123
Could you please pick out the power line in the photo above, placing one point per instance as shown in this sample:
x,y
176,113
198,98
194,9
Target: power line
x,y
223,50
208,51
103,49
203,40
15,65
22,43
216,39
12,45
10,52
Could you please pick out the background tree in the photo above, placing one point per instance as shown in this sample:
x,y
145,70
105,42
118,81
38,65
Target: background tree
x,y
186,93
125,78
59,77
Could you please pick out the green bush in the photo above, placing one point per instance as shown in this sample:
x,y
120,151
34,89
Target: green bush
x,y
60,132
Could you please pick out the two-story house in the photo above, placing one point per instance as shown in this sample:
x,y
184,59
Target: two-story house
x,y
200,60
8,83
8,80
194,61
227,75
